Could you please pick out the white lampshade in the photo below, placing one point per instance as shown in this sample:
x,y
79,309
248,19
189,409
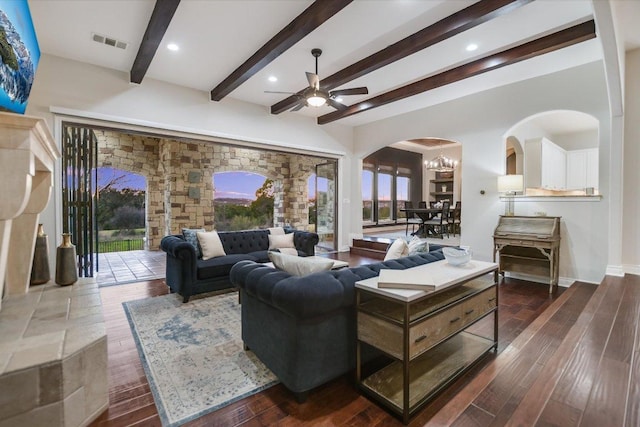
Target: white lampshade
x,y
510,183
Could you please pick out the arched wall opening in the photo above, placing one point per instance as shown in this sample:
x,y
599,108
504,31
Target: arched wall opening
x,y
121,210
557,152
396,177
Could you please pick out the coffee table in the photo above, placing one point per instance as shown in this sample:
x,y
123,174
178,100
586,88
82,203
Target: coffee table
x,y
426,335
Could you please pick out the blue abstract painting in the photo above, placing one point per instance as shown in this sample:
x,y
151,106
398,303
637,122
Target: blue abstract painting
x,y
19,52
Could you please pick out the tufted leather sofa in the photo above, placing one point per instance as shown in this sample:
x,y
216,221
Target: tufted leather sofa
x,y
188,275
304,328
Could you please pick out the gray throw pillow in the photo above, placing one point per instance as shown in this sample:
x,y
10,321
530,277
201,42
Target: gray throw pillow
x,y
299,266
190,236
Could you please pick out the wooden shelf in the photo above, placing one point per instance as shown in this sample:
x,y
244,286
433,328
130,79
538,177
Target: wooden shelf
x,y
440,193
441,180
429,373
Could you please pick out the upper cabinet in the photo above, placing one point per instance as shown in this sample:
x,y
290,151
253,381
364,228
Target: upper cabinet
x,y
582,169
550,167
544,165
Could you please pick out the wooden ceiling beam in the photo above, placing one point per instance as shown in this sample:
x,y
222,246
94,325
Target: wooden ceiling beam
x,y
460,21
558,40
158,23
314,16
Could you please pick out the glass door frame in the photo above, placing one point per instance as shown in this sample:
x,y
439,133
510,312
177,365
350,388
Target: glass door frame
x,y
334,165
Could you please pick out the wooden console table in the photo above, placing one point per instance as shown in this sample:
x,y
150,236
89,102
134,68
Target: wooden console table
x,y
530,245
427,336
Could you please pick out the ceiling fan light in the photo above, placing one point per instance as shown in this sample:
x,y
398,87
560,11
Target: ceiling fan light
x,y
316,100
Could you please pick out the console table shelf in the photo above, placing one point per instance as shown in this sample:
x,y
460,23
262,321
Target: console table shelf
x,y
429,373
424,334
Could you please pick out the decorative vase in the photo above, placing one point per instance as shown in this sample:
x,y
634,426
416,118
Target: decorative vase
x,y
444,188
66,271
40,268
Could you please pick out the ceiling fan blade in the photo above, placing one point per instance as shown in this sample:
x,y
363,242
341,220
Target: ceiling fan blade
x,y
314,80
352,91
299,106
335,104
275,91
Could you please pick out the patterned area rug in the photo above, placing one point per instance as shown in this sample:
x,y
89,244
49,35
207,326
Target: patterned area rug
x,y
192,354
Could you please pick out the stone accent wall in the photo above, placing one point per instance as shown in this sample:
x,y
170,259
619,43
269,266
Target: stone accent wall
x,y
180,179
137,154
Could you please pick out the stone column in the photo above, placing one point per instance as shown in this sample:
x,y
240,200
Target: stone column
x,y
27,156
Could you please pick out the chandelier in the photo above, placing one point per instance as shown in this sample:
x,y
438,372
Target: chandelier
x,y
441,164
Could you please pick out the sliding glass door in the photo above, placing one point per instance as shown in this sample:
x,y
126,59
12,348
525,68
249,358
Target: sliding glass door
x,y
326,202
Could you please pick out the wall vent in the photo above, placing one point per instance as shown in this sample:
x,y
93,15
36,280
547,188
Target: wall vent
x,y
110,41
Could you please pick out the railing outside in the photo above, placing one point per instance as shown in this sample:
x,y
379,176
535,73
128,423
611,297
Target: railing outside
x,y
121,245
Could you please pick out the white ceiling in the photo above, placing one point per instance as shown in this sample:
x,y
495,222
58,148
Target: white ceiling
x,y
216,36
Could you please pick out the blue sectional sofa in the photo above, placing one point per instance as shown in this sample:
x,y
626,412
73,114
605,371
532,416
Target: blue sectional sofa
x,y
188,275
304,328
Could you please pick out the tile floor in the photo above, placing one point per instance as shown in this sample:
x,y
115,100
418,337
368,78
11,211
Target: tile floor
x,y
116,268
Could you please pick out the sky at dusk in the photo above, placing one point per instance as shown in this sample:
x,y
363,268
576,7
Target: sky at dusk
x,y
237,185
384,186
125,179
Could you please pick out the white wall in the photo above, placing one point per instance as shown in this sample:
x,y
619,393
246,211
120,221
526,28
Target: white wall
x,y
479,122
631,195
576,140
97,92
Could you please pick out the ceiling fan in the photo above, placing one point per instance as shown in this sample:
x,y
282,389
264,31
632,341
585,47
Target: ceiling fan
x,y
315,96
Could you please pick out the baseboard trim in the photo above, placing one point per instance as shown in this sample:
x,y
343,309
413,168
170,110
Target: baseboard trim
x,y
615,270
631,269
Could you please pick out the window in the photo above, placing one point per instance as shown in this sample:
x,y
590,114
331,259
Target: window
x,y
367,196
402,194
385,199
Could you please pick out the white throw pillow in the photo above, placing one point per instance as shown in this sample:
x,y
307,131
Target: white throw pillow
x,y
276,231
418,245
211,244
279,241
299,266
397,249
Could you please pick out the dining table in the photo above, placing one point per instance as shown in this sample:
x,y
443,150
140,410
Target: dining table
x,y
424,214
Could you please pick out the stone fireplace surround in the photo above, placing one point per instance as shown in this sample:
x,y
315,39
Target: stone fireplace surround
x,y
53,347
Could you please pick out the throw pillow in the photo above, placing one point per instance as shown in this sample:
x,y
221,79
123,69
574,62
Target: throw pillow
x,y
190,236
397,249
211,244
299,266
418,245
276,230
279,241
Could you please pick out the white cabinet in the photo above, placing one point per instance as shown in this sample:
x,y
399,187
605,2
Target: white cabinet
x,y
582,169
545,165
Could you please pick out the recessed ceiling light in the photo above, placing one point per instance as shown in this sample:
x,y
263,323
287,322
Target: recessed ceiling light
x,y
471,47
173,47
339,99
273,79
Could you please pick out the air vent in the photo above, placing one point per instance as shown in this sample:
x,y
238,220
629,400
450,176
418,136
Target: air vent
x,y
110,41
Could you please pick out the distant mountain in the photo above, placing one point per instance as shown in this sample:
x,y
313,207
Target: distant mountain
x,y
233,201
15,78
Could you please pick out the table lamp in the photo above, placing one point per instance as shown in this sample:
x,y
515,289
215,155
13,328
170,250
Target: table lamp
x,y
510,185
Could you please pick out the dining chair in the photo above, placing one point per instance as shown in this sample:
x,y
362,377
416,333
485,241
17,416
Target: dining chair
x,y
411,218
422,204
439,225
454,218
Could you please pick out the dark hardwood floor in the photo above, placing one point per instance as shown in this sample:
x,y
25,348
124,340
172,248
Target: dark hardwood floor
x,y
565,360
